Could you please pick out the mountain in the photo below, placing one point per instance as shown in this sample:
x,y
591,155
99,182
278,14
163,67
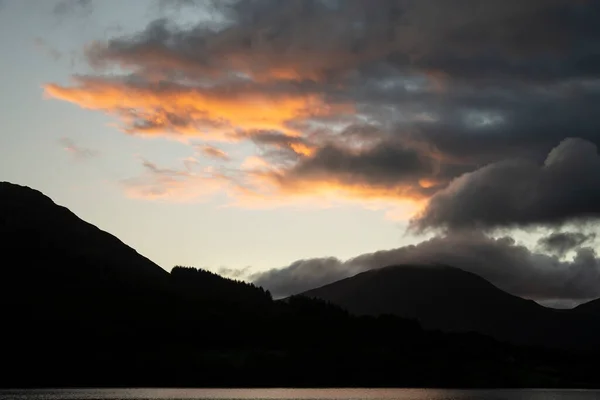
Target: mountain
x,y
44,236
590,308
51,257
81,308
450,299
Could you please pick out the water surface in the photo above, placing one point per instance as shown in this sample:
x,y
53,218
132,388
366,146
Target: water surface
x,y
296,394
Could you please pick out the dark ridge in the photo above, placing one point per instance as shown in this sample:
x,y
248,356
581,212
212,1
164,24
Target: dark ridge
x,y
453,300
65,244
591,307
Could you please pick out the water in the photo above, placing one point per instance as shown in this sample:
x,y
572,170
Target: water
x,y
296,394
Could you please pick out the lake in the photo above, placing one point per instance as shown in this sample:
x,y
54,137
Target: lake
x,y
297,394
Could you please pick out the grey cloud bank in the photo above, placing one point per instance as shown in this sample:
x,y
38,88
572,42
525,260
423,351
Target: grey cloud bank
x,y
566,187
512,267
455,84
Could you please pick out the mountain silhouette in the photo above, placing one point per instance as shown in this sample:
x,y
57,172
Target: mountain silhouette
x,y
81,308
59,266
590,308
66,245
450,299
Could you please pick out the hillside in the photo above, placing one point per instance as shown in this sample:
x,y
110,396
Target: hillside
x,y
590,308
46,237
450,299
53,257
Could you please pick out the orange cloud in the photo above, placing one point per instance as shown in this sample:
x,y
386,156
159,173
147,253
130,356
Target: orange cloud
x,y
332,188
255,188
192,111
302,149
244,81
261,188
427,183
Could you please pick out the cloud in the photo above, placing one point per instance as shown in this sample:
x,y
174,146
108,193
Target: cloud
x,y
286,39
234,273
285,145
212,152
251,189
161,108
69,7
508,265
78,152
173,185
383,165
560,243
194,4
565,188
458,111
388,102
265,40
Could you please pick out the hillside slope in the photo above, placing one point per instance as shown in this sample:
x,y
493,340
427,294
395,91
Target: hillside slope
x,y
44,236
56,265
450,299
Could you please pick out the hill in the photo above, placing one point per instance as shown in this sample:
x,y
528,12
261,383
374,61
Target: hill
x,y
590,308
52,257
64,244
453,300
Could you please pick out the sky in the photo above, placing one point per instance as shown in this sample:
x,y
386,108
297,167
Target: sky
x,y
293,143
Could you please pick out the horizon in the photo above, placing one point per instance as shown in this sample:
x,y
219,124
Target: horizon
x,y
294,144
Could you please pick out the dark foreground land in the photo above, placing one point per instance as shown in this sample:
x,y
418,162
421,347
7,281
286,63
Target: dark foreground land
x,y
80,308
168,340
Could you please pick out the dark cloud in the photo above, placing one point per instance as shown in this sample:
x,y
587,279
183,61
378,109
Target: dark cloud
x,y
492,125
399,41
458,103
560,243
403,95
384,164
539,40
566,187
276,139
279,149
533,41
511,267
